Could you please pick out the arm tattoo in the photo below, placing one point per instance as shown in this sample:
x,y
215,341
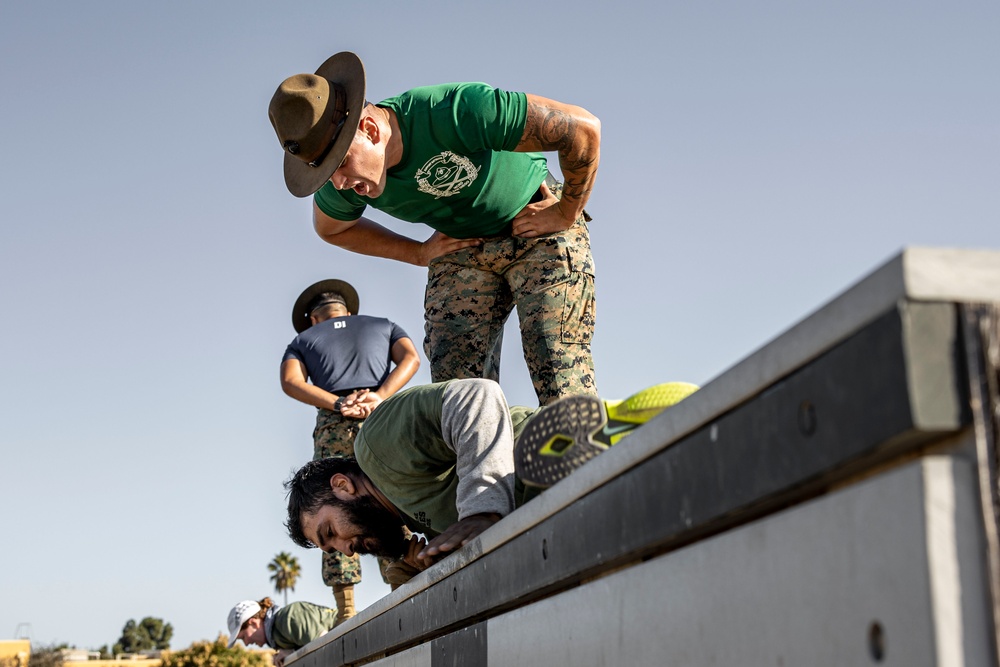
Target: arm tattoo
x,y
555,129
577,187
552,129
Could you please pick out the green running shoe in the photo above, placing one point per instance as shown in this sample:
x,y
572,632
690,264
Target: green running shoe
x,y
573,430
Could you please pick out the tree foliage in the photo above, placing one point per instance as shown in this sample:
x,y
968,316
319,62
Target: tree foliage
x,y
286,571
216,654
41,656
147,635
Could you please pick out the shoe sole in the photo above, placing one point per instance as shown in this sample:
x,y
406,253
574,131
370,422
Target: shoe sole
x,y
567,434
557,440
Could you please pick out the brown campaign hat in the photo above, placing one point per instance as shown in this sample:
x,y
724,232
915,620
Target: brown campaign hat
x,y
300,316
315,117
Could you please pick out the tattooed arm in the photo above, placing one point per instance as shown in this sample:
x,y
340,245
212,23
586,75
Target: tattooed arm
x,y
576,134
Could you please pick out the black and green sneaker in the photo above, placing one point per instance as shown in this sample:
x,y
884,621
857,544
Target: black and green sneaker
x,y
573,430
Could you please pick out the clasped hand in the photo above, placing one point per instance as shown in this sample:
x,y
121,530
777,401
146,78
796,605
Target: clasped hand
x,y
359,404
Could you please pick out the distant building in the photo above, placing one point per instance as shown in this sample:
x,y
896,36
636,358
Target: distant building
x,y
15,652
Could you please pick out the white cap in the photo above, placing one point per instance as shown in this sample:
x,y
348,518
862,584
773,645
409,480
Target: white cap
x,y
238,616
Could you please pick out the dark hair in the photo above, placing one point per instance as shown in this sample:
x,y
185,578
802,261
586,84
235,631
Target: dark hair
x,y
309,489
331,297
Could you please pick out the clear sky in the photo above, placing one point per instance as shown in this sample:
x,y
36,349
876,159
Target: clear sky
x,y
757,159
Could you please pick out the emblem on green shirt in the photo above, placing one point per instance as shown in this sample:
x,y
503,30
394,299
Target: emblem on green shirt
x,y
446,174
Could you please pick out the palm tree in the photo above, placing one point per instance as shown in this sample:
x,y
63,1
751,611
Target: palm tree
x,y
286,571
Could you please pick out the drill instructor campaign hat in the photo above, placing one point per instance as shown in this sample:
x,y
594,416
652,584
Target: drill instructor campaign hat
x,y
300,316
316,117
239,615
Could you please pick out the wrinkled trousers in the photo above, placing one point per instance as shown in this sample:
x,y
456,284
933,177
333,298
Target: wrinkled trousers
x,y
549,279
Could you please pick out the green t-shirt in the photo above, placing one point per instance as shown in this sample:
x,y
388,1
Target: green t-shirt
x,y
402,451
299,623
458,174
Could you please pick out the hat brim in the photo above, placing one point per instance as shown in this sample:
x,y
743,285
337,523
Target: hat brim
x,y
300,316
346,69
249,611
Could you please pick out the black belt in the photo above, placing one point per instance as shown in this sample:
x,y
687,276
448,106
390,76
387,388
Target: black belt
x,y
347,392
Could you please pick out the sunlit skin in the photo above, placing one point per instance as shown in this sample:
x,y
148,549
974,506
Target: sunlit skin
x,y
253,634
370,156
378,146
330,529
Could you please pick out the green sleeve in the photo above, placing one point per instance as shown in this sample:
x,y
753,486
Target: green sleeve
x,y
337,204
300,623
489,118
401,449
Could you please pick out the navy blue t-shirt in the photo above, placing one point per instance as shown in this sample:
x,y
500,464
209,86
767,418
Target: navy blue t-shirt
x,y
346,353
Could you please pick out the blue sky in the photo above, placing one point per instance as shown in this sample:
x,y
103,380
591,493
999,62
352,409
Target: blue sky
x,y
757,158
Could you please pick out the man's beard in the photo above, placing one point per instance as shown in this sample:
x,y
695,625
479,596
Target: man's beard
x,y
382,531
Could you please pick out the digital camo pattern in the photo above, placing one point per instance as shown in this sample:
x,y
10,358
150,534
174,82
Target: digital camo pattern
x,y
334,436
339,568
550,279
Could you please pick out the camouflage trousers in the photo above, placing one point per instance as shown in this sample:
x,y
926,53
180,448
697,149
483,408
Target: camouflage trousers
x,y
334,436
550,279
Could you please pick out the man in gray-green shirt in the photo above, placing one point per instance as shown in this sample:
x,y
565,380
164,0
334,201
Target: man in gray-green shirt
x,y
441,459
